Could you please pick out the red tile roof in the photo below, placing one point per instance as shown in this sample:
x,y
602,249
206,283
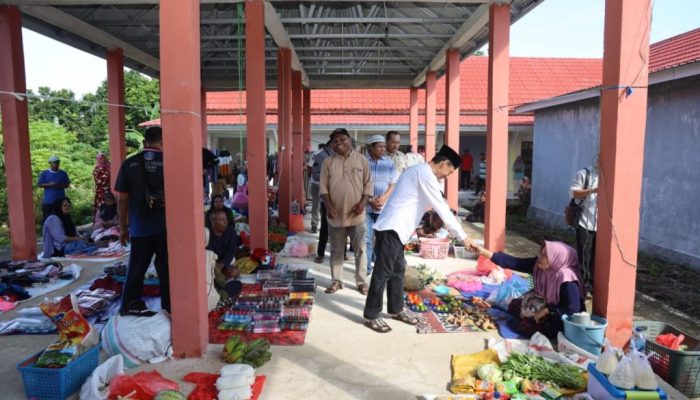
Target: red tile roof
x,y
531,79
675,51
357,119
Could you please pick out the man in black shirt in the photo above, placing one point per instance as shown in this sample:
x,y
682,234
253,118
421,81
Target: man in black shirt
x,y
224,242
141,203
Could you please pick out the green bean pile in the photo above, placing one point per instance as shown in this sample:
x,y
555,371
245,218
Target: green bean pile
x,y
537,368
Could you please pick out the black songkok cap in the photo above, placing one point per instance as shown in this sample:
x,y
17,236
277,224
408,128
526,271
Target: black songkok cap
x,y
455,159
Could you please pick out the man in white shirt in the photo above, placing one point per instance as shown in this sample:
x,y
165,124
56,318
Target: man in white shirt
x,y
313,168
584,189
417,190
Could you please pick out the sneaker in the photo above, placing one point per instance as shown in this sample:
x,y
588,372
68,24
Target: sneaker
x,y
313,229
137,308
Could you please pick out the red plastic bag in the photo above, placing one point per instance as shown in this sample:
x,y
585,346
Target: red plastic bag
x,y
206,385
670,340
484,266
140,386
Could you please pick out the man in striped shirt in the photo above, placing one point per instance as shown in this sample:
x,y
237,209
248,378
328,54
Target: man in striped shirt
x,y
384,176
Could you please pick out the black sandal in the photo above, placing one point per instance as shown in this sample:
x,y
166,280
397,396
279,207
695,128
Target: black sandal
x,y
138,308
377,325
405,318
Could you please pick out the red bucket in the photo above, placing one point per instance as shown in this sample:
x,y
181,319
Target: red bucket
x,y
296,223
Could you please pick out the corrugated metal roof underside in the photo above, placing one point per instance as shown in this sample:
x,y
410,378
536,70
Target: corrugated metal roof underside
x,y
340,44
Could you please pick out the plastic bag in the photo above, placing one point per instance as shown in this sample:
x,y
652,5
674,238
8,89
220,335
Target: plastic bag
x,y
138,339
644,376
96,386
140,386
623,375
507,292
608,360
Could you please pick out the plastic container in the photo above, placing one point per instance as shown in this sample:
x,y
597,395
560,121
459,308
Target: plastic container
x,y
588,337
296,223
638,341
681,369
599,387
57,383
295,208
434,248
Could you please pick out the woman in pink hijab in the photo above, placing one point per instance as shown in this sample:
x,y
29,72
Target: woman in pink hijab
x,y
558,287
102,176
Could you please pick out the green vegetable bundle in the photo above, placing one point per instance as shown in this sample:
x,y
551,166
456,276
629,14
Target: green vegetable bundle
x,y
537,368
255,353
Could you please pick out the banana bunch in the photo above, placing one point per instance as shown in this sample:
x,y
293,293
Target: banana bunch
x,y
255,353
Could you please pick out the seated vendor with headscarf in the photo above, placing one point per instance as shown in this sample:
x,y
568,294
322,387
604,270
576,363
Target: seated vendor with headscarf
x,y
60,237
224,242
105,226
558,287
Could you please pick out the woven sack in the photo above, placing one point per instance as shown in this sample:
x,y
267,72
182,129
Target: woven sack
x,y
413,279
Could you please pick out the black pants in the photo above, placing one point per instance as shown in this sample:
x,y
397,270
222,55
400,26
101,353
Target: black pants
x,y
45,212
585,247
323,234
142,251
480,183
388,272
466,177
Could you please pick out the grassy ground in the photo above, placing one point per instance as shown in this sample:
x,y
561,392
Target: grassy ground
x,y
671,284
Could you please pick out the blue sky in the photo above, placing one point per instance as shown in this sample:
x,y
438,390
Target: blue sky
x,y
556,28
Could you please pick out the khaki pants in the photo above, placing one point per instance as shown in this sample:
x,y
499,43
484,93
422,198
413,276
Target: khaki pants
x,y
337,237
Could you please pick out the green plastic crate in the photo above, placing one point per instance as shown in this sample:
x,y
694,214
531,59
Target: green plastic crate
x,y
681,369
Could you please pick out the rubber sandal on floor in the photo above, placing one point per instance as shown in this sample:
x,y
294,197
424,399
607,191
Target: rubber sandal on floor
x,y
405,318
335,286
378,325
363,288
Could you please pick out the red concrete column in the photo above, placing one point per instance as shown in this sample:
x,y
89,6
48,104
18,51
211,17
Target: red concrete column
x,y
430,98
203,113
15,128
284,122
255,112
181,98
452,120
306,120
413,119
115,95
622,129
297,141
497,128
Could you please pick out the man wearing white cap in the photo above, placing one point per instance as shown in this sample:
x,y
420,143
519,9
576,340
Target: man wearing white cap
x,y
54,181
417,190
384,175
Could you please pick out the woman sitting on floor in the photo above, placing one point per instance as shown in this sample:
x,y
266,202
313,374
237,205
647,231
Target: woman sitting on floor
x,y
217,203
60,236
105,226
558,287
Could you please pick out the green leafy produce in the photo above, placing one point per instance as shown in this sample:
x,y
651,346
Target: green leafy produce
x,y
537,368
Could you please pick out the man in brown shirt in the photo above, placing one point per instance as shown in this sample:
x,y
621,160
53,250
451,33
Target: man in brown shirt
x,y
346,185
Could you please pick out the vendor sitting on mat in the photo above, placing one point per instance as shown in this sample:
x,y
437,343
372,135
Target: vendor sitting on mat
x,y
558,287
106,215
217,203
59,234
224,242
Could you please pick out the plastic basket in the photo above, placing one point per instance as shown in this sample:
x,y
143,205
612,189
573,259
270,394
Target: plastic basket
x,y
681,369
599,387
57,383
434,248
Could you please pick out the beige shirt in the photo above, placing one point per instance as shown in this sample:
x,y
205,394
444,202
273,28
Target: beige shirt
x,y
345,181
399,159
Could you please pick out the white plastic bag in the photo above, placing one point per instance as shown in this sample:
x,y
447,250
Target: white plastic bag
x,y
608,360
644,376
623,375
96,387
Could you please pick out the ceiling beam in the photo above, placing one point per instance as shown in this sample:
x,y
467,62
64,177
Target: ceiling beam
x,y
477,21
308,20
339,49
282,39
59,19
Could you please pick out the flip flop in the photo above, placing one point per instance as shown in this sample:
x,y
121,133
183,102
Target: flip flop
x,y
405,318
377,325
363,288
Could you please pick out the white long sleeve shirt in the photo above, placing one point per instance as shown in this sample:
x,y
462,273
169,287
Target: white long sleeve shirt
x,y
416,192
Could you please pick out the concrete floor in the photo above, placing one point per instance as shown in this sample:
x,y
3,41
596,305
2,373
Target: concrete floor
x,y
341,359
